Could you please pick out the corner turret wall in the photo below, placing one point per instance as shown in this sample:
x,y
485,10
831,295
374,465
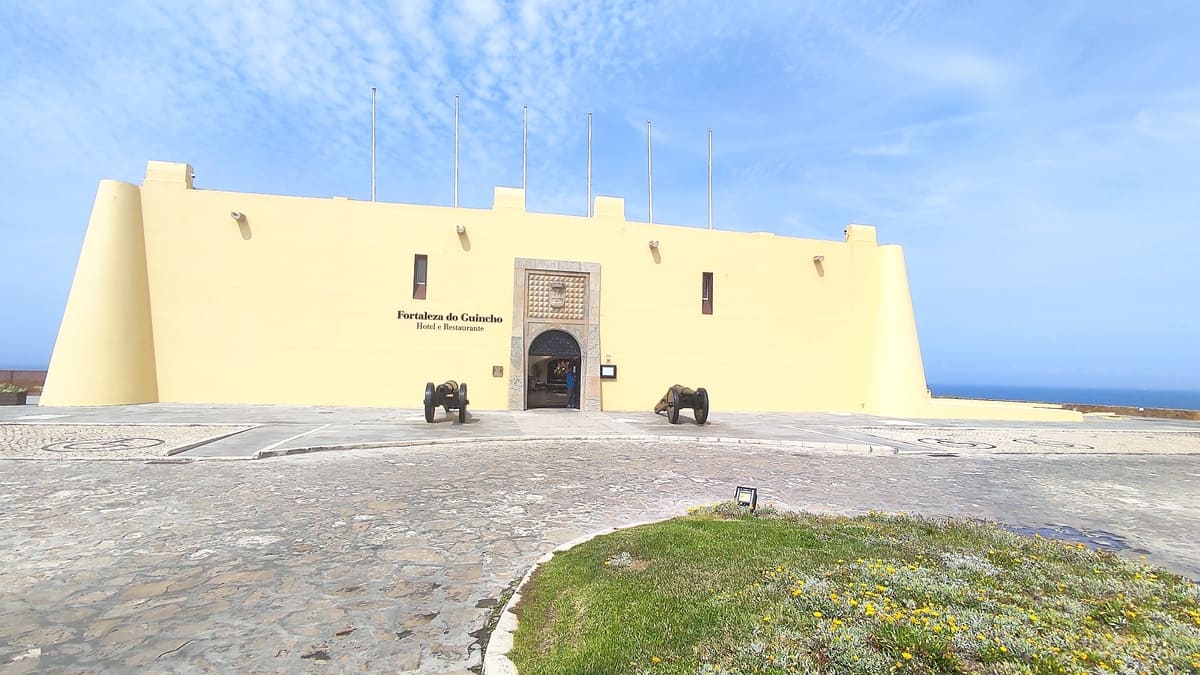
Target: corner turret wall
x,y
104,354
896,382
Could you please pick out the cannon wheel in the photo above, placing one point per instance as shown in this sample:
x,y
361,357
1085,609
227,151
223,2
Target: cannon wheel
x,y
701,409
462,403
429,405
673,407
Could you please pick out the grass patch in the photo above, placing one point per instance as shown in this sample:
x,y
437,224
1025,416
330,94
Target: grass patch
x,y
724,591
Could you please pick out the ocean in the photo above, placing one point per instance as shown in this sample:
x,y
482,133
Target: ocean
x,y
1138,398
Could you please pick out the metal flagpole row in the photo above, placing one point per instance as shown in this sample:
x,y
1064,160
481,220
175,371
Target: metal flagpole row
x,y
525,161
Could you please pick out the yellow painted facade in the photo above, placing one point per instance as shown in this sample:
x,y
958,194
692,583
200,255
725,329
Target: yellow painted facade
x,y
310,301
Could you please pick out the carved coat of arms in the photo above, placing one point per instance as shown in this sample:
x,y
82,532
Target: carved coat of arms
x,y
558,294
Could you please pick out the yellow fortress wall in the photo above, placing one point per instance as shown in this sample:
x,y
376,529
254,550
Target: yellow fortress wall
x,y
197,306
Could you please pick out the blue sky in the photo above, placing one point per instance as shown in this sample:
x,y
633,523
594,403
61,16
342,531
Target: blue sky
x,y
1040,162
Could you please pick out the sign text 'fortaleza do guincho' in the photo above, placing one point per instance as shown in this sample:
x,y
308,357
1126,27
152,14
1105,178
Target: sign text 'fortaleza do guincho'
x,y
467,321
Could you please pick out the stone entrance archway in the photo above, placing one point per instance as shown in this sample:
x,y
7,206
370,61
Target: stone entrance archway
x,y
554,297
552,355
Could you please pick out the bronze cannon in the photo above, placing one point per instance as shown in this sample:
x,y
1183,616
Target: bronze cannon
x,y
679,396
450,395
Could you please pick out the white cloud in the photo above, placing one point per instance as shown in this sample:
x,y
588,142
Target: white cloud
x,y
897,148
954,67
1175,126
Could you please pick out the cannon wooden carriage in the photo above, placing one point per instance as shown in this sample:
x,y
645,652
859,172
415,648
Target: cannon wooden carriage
x,y
450,395
679,397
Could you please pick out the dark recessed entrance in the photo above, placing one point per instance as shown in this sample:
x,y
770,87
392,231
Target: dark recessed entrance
x,y
552,355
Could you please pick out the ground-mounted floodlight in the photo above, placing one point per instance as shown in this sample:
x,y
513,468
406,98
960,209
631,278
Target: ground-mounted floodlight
x,y
746,496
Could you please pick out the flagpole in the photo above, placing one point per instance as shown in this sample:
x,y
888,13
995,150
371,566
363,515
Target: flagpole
x,y
650,170
456,151
372,143
710,179
524,151
589,167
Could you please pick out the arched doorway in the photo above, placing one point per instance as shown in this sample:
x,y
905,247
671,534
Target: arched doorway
x,y
552,355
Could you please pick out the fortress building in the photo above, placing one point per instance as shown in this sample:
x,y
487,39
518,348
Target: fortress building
x,y
187,295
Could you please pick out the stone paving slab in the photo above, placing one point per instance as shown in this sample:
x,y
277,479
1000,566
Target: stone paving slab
x,y
106,441
1039,440
391,560
400,428
245,444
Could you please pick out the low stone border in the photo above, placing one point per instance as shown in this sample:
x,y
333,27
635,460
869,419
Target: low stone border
x,y
500,643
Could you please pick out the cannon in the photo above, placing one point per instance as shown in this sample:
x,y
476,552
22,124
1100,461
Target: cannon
x,y
679,396
450,395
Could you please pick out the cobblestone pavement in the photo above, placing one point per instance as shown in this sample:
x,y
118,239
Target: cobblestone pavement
x,y
106,441
391,560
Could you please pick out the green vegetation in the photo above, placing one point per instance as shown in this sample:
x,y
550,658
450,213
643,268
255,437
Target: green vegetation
x,y
7,388
724,591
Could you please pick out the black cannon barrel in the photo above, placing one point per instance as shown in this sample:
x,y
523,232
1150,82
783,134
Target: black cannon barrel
x,y
447,388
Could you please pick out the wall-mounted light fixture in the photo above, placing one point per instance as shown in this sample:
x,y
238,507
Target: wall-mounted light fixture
x,y
237,215
653,243
746,496
818,259
461,229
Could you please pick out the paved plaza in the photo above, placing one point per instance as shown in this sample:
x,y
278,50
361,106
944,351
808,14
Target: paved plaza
x,y
190,556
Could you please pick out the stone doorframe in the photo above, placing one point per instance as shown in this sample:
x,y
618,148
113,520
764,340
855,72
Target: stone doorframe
x,y
585,331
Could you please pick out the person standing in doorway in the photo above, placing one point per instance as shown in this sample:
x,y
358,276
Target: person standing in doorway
x,y
572,388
